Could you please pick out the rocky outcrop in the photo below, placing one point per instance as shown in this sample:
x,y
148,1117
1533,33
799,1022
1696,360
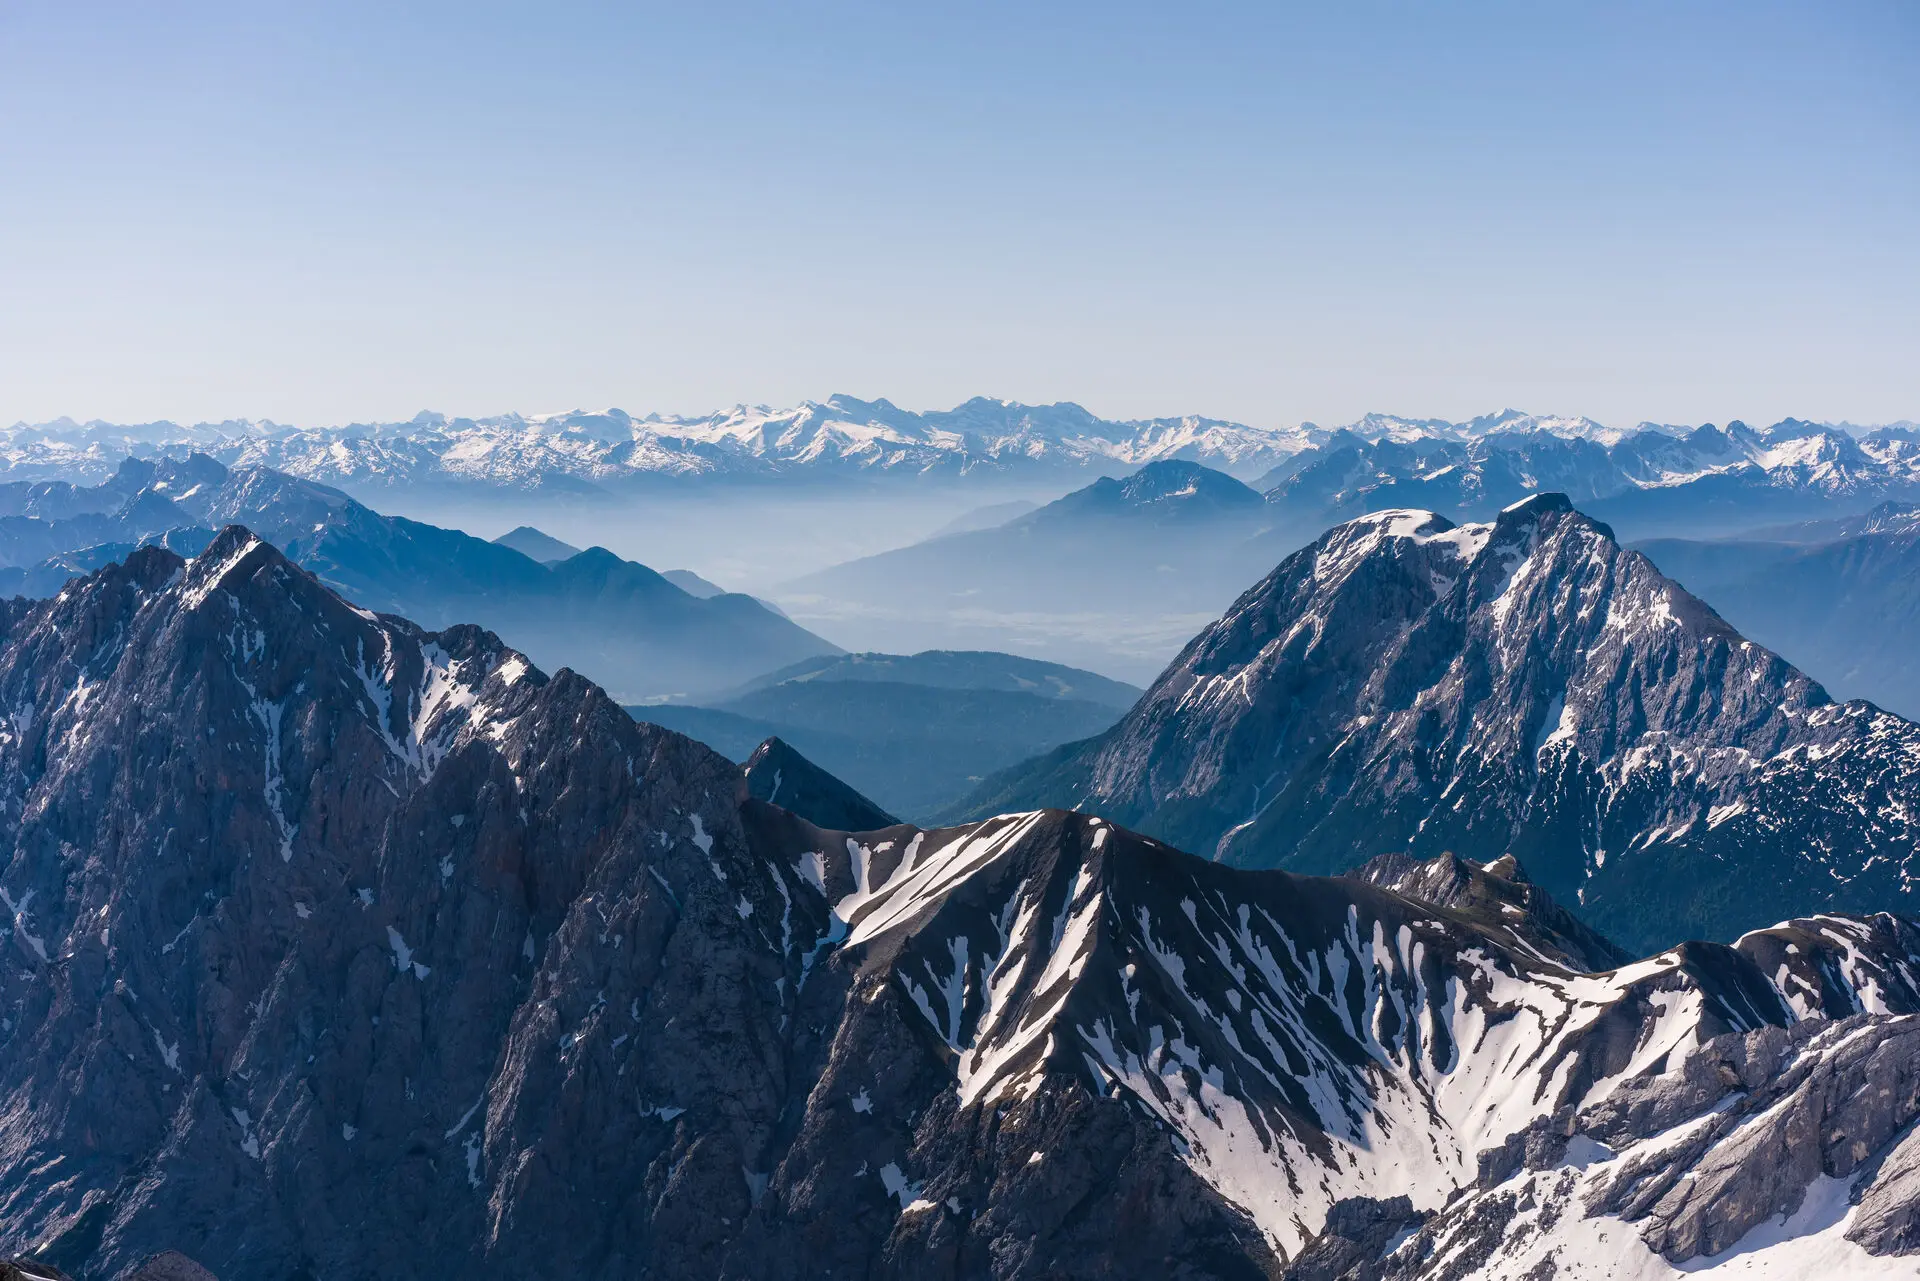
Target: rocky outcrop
x,y
1820,1100
1360,1231
1803,1128
1888,1220
1498,897
27,1270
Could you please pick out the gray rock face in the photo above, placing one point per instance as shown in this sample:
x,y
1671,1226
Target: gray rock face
x,y
329,939
1888,1221
297,894
1691,1161
1360,1232
1523,687
1827,1100
28,1270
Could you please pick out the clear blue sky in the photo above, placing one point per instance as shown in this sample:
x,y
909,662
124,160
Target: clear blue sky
x,y
321,212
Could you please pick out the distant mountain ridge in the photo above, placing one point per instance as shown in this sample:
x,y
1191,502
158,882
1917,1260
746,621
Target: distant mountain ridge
x,y
618,620
1651,481
1115,574
956,669
1116,567
1091,538
913,731
588,451
537,545
593,452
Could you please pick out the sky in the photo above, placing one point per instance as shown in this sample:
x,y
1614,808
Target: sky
x,y
1678,212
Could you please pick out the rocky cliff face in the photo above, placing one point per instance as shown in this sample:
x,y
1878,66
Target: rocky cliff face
x,y
331,940
325,931
1524,686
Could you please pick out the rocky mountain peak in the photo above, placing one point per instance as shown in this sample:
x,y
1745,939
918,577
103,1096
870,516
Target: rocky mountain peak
x,y
1499,898
1533,506
1523,685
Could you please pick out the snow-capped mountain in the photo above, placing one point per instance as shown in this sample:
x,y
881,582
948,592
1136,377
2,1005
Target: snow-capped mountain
x,y
1524,685
1390,427
1888,518
1652,480
309,899
329,940
1324,1053
1379,460
580,450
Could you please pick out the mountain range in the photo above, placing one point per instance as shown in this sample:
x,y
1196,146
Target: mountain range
x,y
617,620
592,452
336,947
1841,596
596,453
1116,574
1650,482
1523,686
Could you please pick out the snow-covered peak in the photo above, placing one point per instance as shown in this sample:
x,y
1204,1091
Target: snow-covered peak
x,y
598,447
1522,685
1376,427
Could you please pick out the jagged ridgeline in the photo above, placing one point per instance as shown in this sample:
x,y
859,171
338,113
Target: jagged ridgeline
x,y
639,633
338,948
1524,686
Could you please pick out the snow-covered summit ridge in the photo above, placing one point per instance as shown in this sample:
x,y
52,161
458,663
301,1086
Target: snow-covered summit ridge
x,y
842,434
1683,473
1306,1041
